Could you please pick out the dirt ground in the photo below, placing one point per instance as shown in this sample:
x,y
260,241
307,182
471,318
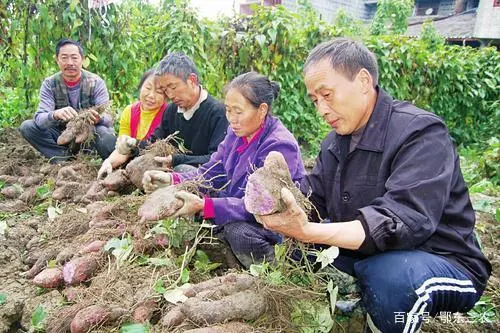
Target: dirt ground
x,y
34,229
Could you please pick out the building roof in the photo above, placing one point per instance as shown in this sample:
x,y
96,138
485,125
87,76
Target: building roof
x,y
454,26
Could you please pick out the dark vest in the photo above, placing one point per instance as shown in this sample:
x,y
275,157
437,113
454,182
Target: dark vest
x,y
87,86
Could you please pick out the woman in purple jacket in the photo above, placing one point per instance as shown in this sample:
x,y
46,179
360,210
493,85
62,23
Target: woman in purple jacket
x,y
253,132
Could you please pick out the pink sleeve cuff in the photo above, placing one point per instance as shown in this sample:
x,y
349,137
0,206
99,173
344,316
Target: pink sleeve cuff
x,y
176,179
208,208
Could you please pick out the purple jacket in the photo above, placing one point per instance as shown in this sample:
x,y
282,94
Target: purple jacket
x,y
230,168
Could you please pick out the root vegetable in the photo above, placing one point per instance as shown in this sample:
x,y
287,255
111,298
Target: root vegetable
x,y
61,320
49,278
136,168
40,263
248,305
93,316
80,269
89,317
173,318
67,190
65,255
263,189
233,327
144,311
233,280
8,179
28,181
28,195
104,224
117,180
160,204
95,246
12,192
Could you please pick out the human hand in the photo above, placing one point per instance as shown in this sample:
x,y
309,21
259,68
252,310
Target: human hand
x,y
153,179
65,114
105,170
94,117
165,163
291,222
125,144
192,204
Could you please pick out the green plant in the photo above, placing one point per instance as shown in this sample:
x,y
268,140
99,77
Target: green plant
x,y
202,263
37,319
483,311
391,17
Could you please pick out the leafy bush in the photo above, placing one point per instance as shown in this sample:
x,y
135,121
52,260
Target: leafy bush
x,y
458,83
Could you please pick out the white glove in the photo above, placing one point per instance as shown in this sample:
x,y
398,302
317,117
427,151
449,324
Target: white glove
x,y
153,179
105,170
125,144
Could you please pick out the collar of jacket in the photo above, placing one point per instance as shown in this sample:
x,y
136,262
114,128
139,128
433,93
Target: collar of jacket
x,y
375,132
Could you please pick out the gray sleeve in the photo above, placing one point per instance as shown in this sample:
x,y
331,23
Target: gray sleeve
x,y
101,96
46,107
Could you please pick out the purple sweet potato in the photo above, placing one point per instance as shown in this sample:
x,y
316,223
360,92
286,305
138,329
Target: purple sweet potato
x,y
28,195
80,269
173,318
41,263
95,246
136,168
8,179
160,204
28,181
116,180
94,316
248,305
89,317
263,189
12,192
144,311
49,278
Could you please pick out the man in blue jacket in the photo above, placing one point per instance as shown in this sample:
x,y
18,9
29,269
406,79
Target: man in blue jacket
x,y
388,183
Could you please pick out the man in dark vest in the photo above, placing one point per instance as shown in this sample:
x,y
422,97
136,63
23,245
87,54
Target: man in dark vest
x,y
62,96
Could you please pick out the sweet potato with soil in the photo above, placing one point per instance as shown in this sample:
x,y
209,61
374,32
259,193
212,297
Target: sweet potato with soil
x,y
28,181
116,180
8,179
263,189
65,255
12,192
94,316
248,305
80,269
233,327
136,168
49,278
68,173
172,318
160,204
61,320
95,246
80,128
28,195
40,263
234,281
67,190
144,311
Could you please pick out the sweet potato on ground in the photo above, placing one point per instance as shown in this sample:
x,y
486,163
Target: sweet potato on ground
x,y
173,318
116,180
49,278
263,189
80,269
94,316
233,327
11,192
144,311
95,246
248,305
41,263
233,281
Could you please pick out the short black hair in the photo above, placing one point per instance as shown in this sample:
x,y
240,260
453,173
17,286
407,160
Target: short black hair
x,y
66,41
347,56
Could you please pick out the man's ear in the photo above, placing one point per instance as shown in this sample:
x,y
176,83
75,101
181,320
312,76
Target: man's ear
x,y
193,78
366,80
